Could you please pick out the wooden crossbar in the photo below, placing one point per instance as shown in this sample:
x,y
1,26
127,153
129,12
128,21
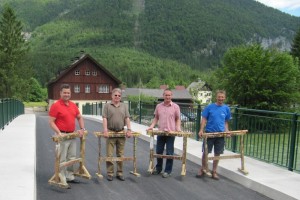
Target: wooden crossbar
x,y
114,159
224,157
116,134
239,133
171,133
81,171
167,156
68,136
182,157
112,134
70,162
225,134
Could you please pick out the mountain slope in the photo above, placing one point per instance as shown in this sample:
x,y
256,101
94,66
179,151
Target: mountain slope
x,y
195,33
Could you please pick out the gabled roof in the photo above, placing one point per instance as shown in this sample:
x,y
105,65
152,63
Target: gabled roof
x,y
76,63
158,93
200,85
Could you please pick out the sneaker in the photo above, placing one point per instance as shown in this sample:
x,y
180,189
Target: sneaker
x,y
166,175
200,173
110,178
121,178
73,181
156,172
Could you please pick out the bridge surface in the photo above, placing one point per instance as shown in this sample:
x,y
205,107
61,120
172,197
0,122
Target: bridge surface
x,y
27,163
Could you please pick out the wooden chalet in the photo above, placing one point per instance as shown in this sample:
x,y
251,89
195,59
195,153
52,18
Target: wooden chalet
x,y
90,82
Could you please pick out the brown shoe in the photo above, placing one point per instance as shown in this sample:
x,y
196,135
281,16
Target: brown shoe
x,y
215,175
200,173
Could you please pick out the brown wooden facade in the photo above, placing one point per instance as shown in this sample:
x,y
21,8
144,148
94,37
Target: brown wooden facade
x,y
88,79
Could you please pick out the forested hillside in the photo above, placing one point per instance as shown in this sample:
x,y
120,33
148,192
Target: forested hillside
x,y
147,42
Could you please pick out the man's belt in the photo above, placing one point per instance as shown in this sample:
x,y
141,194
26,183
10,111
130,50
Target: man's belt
x,y
66,131
115,130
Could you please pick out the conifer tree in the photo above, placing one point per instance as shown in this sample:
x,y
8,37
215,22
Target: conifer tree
x,y
12,51
295,50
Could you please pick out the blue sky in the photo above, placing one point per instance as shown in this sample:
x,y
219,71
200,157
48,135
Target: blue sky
x,y
288,6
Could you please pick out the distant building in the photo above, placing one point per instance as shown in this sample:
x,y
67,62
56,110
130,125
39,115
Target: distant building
x,y
90,82
200,91
179,96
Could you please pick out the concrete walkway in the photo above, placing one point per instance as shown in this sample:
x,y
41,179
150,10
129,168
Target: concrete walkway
x,y
17,160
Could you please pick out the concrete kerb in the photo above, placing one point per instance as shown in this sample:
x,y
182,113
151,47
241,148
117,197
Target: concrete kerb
x,y
262,178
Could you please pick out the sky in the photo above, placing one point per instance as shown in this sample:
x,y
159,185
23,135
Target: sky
x,y
288,6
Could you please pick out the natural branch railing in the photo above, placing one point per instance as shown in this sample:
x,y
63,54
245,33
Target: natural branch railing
x,y
112,134
81,172
172,133
240,133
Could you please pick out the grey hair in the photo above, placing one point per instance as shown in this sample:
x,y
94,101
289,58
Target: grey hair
x,y
116,90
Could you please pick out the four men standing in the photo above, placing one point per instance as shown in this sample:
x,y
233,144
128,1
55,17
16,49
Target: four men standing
x,y
116,116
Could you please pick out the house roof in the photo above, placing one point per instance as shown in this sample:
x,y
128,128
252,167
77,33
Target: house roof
x,y
158,93
77,62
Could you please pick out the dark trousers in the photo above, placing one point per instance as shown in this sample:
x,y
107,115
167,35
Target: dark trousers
x,y
160,145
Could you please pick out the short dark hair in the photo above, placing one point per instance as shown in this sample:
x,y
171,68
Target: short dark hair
x,y
221,92
64,86
167,90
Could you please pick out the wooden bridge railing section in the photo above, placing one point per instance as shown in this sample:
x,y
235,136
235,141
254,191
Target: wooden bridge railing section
x,y
101,158
81,171
182,157
239,133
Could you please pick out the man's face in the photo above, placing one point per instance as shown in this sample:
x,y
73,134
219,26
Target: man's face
x,y
167,96
65,94
220,98
116,97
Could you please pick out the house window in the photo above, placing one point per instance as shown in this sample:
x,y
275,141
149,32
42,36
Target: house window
x,y
103,89
94,73
87,89
76,89
77,72
87,73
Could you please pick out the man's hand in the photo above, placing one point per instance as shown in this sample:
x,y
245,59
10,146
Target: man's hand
x,y
149,129
81,132
105,134
228,134
200,133
128,133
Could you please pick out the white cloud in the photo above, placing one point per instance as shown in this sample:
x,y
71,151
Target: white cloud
x,y
292,4
284,5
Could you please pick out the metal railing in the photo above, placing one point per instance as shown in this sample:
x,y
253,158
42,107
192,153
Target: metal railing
x,y
9,109
273,137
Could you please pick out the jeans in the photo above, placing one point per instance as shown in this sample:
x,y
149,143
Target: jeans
x,y
160,145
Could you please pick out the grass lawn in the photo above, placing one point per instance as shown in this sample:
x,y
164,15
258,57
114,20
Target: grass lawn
x,y
35,104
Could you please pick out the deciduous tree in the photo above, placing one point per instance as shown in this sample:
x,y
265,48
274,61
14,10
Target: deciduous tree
x,y
257,78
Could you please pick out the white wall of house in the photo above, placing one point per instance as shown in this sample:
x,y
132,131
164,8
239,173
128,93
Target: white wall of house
x,y
79,103
204,96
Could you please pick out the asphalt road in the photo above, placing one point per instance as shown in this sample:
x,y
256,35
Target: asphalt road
x,y
146,187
